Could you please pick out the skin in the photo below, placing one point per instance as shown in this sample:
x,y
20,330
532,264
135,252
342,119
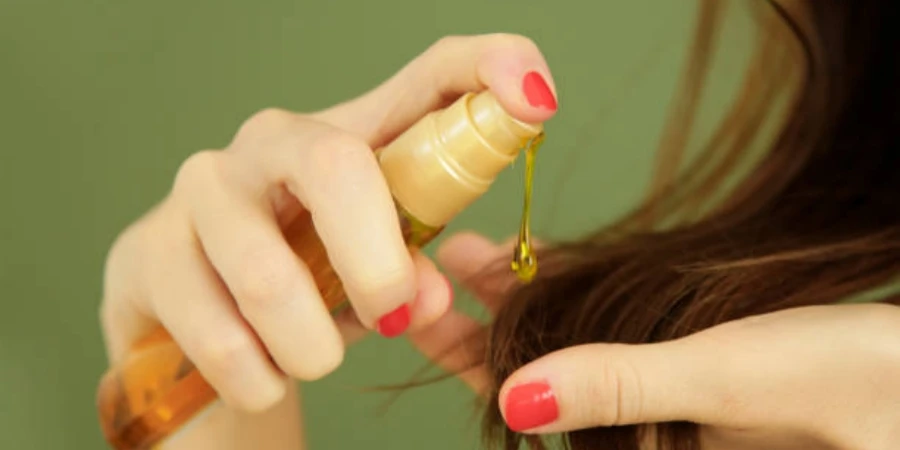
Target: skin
x,y
806,378
210,264
810,378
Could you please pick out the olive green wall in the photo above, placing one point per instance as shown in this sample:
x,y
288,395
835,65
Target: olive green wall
x,y
101,99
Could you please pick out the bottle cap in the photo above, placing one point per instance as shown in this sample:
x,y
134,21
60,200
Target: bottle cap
x,y
450,157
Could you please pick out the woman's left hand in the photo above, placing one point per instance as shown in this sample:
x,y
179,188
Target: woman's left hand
x,y
822,377
804,378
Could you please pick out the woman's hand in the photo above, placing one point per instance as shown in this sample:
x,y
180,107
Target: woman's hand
x,y
806,378
824,377
211,265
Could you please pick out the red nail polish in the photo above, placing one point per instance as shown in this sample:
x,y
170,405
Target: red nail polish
x,y
394,323
538,92
530,406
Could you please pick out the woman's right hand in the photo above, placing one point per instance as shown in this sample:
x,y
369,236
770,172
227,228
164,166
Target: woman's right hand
x,y
210,262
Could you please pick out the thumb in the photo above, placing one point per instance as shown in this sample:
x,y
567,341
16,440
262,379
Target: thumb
x,y
511,66
614,384
783,368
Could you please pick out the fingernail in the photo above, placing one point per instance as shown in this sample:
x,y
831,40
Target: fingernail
x,y
538,92
394,323
530,406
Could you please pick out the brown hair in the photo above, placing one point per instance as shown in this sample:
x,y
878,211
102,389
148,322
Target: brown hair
x,y
816,220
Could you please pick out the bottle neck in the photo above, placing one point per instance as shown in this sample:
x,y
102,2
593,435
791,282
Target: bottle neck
x,y
451,157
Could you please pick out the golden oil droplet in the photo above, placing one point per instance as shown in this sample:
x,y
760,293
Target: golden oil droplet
x,y
524,262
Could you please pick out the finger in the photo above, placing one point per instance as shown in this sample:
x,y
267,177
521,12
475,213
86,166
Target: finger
x,y
272,288
123,326
480,265
611,385
738,375
124,315
455,343
337,178
434,297
198,312
511,66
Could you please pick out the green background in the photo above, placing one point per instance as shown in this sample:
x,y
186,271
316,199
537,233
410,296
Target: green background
x,y
100,100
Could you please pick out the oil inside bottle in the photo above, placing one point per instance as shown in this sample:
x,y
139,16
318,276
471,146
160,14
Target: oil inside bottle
x,y
524,262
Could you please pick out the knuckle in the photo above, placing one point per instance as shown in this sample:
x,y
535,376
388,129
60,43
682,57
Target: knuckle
x,y
452,43
446,43
339,149
199,167
384,287
335,154
261,280
510,41
265,122
318,365
222,355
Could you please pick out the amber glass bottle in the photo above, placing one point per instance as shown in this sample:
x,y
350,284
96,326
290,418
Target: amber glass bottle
x,y
435,169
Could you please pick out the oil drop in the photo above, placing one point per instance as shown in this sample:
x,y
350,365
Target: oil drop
x,y
524,262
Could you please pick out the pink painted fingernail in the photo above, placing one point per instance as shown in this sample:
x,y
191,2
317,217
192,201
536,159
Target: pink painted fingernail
x,y
394,323
530,406
538,92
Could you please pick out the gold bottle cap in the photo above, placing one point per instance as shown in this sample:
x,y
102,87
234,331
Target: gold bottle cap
x,y
450,157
